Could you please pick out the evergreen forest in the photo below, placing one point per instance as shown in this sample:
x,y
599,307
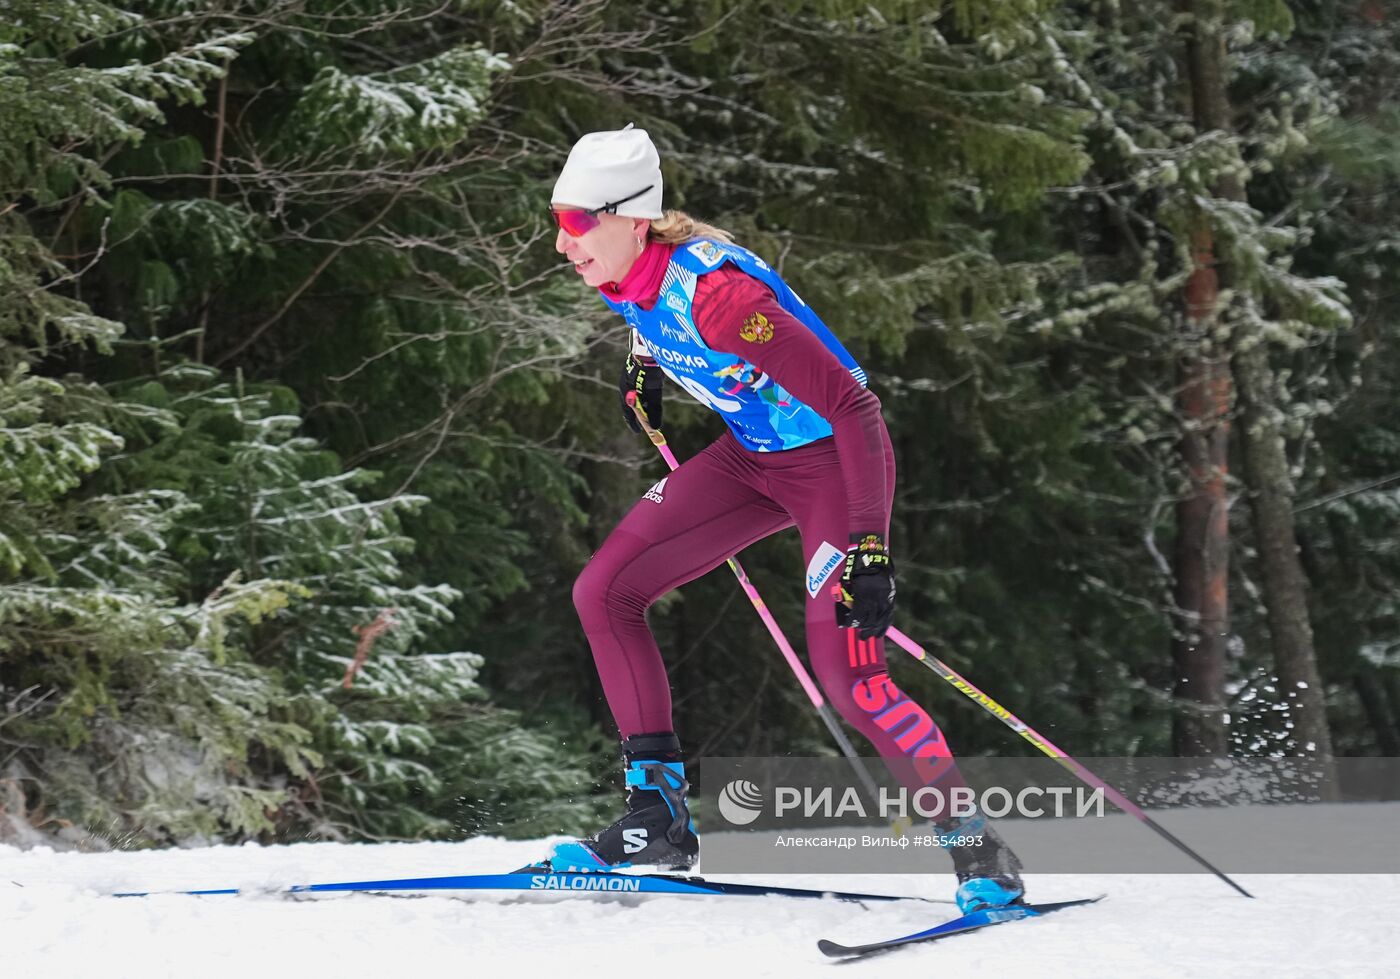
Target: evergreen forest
x,y
306,429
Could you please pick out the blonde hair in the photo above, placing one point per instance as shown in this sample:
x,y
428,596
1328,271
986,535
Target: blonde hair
x,y
677,227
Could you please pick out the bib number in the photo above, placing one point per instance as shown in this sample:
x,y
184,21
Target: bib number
x,y
705,396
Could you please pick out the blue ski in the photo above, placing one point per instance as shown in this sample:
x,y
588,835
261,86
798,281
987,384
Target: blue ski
x,y
591,882
958,926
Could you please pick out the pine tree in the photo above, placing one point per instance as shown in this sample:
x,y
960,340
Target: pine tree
x,y
1173,181
183,569
403,739
1343,180
73,657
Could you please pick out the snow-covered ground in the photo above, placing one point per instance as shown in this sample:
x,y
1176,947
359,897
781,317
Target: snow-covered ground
x,y
57,922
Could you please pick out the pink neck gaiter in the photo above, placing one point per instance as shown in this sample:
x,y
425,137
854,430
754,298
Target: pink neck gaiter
x,y
642,283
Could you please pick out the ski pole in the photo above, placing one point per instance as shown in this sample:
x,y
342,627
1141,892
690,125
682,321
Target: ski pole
x,y
1043,744
947,673
803,677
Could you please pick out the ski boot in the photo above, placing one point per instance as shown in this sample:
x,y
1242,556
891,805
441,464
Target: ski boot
x,y
656,830
989,872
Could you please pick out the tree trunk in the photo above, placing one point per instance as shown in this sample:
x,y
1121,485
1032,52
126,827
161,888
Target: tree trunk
x,y
1389,679
1202,553
1373,701
1202,558
1261,438
1285,588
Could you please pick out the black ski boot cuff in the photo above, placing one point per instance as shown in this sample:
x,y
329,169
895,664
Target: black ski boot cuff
x,y
659,746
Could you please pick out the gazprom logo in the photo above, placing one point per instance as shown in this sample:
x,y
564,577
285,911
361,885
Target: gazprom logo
x,y
827,559
741,802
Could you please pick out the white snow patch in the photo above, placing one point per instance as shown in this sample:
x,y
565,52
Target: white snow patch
x,y
59,923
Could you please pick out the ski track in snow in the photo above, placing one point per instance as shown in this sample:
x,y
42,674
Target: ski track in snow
x,y
58,922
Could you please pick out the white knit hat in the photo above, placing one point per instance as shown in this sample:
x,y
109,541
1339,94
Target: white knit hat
x,y
607,167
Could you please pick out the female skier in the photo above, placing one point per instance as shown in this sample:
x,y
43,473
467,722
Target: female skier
x,y
806,446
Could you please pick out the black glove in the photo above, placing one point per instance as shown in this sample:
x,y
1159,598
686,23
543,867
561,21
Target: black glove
x,y
867,587
642,377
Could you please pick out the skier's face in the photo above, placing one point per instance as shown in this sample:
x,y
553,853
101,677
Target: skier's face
x,y
605,253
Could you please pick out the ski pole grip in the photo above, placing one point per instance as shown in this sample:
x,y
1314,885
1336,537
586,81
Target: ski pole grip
x,y
656,437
